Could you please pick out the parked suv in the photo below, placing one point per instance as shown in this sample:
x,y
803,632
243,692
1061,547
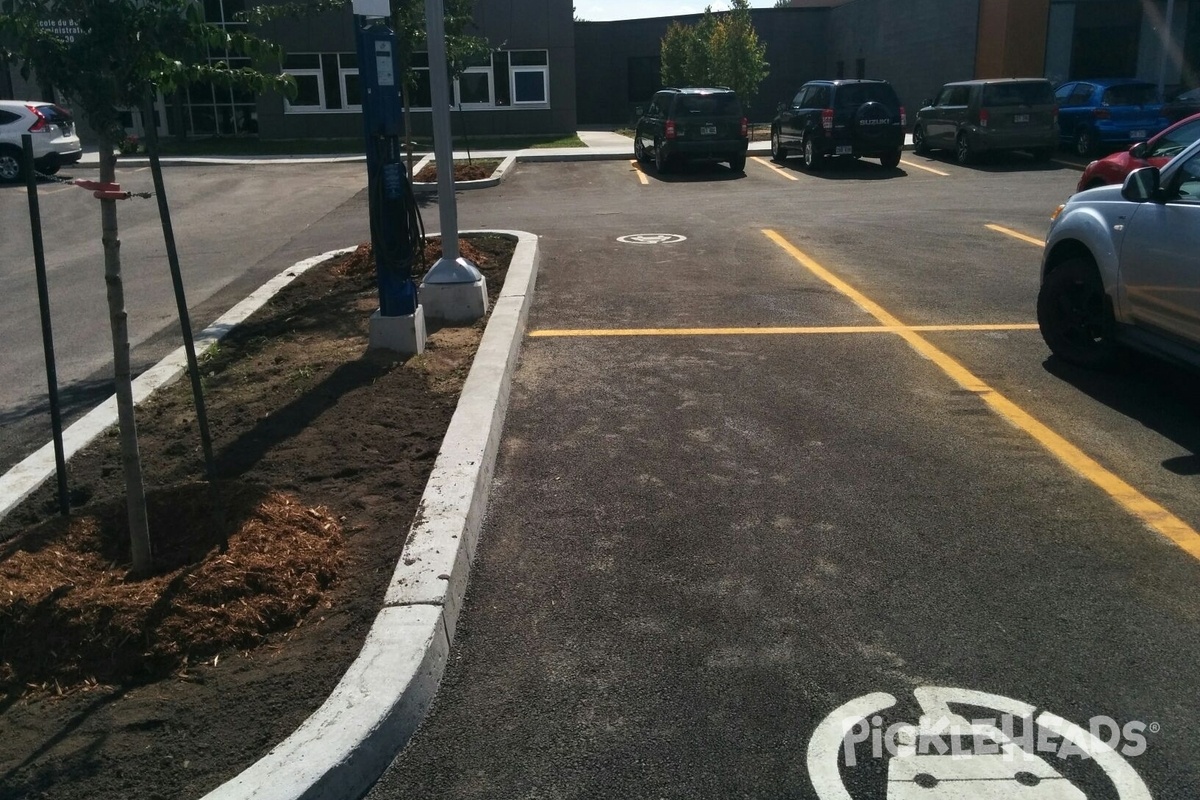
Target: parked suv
x,y
840,118
51,129
1119,267
973,117
1108,114
700,124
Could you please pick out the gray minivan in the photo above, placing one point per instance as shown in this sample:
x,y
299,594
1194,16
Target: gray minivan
x,y
973,117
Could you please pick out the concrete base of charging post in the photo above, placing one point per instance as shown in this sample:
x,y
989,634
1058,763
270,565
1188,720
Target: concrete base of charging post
x,y
454,291
404,334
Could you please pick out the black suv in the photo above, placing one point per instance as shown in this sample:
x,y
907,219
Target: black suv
x,y
692,125
840,118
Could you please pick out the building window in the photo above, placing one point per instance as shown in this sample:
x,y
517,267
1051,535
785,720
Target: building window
x,y
209,109
324,82
530,77
501,79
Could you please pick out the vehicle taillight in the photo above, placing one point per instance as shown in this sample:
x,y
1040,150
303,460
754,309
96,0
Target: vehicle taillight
x,y
745,127
1101,113
827,119
903,118
41,124
983,117
670,133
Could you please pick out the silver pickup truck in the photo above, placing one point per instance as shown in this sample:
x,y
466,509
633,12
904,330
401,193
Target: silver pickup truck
x,y
1121,266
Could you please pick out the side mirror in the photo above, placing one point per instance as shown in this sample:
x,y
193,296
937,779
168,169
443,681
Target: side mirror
x,y
1141,185
1139,150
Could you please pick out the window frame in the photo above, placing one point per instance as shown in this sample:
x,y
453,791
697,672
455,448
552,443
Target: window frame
x,y
543,70
291,108
494,102
318,73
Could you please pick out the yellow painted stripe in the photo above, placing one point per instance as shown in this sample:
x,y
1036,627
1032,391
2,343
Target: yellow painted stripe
x,y
641,175
1129,498
775,168
1014,234
585,332
927,169
1071,164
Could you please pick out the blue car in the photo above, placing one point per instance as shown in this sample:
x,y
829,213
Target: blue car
x,y
1111,114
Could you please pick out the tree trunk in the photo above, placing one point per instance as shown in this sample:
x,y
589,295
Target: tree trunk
x,y
131,462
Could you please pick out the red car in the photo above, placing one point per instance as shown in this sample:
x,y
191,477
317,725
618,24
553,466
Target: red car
x,y
1154,152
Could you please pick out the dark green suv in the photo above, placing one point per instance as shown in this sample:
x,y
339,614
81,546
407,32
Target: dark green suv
x,y
840,118
701,124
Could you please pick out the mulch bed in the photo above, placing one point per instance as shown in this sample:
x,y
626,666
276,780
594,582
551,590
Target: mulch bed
x,y
168,685
476,170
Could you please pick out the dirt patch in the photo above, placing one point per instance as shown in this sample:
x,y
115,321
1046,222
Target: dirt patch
x,y
170,685
476,170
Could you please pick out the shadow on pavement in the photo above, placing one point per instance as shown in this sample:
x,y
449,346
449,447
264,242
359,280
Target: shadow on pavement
x,y
693,173
1161,396
840,168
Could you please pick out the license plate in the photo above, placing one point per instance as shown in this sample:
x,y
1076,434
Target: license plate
x,y
843,150
1021,118
1137,134
708,130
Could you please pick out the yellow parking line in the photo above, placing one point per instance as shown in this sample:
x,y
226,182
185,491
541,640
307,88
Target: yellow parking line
x,y
1071,164
641,175
1129,498
927,169
585,332
1014,234
776,169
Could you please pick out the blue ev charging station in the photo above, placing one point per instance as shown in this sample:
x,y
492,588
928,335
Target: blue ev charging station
x,y
397,233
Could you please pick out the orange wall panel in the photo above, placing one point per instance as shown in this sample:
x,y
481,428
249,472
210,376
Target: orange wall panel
x,y
1012,38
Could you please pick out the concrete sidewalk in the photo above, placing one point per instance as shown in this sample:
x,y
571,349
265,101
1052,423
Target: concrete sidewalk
x,y
600,146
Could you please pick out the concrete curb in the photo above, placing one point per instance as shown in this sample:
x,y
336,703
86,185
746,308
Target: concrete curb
x,y
343,748
23,479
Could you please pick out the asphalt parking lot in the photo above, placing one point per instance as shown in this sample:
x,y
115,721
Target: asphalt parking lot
x,y
785,452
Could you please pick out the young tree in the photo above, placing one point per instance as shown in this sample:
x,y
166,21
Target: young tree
x,y
720,50
701,67
673,54
121,50
738,55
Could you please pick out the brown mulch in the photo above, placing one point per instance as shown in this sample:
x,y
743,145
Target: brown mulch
x,y
476,170
169,685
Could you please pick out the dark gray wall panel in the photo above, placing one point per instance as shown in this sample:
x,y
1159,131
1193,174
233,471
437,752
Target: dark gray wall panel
x,y
916,44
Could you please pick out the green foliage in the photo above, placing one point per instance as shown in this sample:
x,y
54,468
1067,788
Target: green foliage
x,y
721,49
673,55
739,60
121,48
700,59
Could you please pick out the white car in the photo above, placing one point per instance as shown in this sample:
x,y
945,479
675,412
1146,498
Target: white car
x,y
1122,266
52,130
